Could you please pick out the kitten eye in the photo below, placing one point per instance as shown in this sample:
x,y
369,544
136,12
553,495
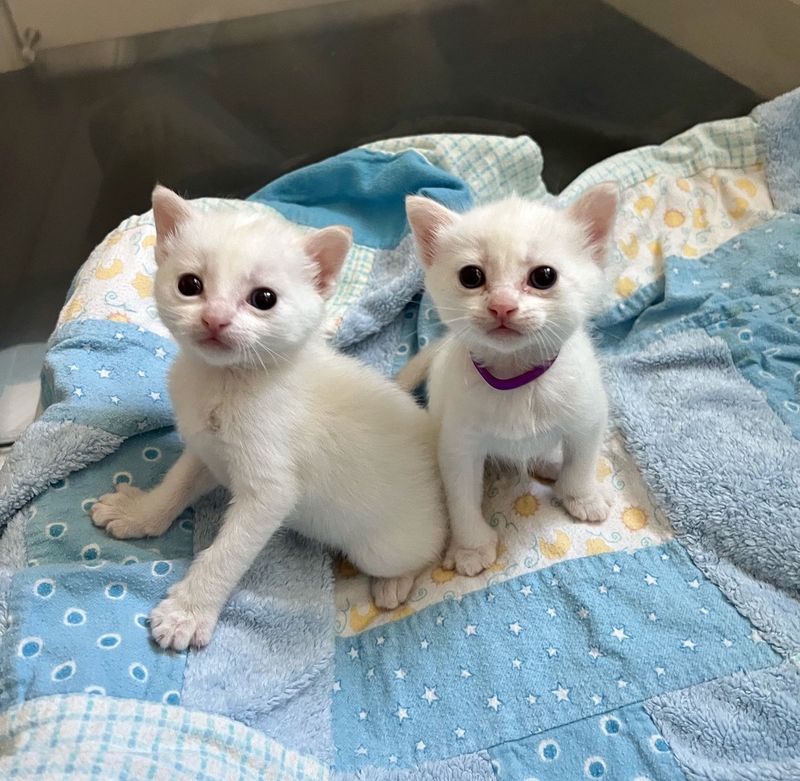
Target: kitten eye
x,y
263,298
543,277
471,276
190,285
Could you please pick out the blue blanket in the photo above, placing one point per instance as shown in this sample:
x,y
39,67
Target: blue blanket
x,y
662,645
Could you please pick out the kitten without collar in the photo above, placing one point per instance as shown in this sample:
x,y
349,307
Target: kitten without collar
x,y
515,282
301,435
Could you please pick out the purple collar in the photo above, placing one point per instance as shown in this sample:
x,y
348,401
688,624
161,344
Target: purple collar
x,y
511,383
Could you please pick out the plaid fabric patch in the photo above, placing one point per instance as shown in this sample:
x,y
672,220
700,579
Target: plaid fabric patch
x,y
88,736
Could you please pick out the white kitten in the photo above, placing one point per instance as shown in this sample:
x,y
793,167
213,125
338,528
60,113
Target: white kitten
x,y
300,434
516,379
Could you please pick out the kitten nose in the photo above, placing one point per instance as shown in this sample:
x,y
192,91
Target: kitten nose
x,y
502,308
215,322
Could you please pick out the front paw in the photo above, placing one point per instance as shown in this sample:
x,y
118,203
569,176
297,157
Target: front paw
x,y
177,623
472,559
125,515
592,506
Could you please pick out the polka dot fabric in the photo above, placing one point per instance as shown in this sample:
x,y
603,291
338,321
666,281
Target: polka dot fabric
x,y
87,631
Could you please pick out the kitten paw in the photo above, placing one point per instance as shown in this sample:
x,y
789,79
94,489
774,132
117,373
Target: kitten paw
x,y
390,593
474,560
177,623
125,515
592,507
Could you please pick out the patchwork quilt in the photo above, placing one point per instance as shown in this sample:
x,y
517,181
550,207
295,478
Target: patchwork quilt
x,y
663,644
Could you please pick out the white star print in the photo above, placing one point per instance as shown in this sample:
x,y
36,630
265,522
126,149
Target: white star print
x,y
380,640
470,629
439,620
78,391
551,611
725,285
114,399
659,671
704,611
104,373
603,589
141,425
621,683
562,694
695,282
516,664
796,290
73,368
532,699
401,713
421,745
490,597
423,644
400,674
459,732
353,652
596,699
595,653
362,715
155,395
727,643
689,643
118,335
551,652
140,373
515,628
652,616
430,695
583,614
361,751
694,583
466,674
554,582
650,580
664,556
773,274
526,591
494,703
337,686
160,352
140,330
393,759
619,634
755,636
371,673
616,569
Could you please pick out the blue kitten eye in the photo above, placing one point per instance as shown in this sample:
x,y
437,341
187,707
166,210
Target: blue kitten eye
x,y
263,298
471,277
190,285
542,277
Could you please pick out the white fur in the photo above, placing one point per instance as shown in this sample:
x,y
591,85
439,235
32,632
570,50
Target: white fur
x,y
300,434
560,416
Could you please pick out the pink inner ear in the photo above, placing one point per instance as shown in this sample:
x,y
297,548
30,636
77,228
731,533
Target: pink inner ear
x,y
169,211
329,248
596,210
427,218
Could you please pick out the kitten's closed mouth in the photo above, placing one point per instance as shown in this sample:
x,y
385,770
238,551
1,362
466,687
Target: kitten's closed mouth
x,y
504,331
214,342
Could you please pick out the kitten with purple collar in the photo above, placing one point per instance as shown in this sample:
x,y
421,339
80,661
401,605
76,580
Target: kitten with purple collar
x,y
301,435
516,378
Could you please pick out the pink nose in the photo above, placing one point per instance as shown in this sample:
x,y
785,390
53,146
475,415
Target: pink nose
x,y
502,309
215,323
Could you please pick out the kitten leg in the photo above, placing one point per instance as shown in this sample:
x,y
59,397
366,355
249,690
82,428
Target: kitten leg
x,y
549,466
577,487
131,512
190,612
473,543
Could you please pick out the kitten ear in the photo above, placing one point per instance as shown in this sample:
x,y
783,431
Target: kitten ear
x,y
329,248
169,211
595,210
427,218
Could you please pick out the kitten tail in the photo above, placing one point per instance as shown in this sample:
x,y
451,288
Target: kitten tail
x,y
415,372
